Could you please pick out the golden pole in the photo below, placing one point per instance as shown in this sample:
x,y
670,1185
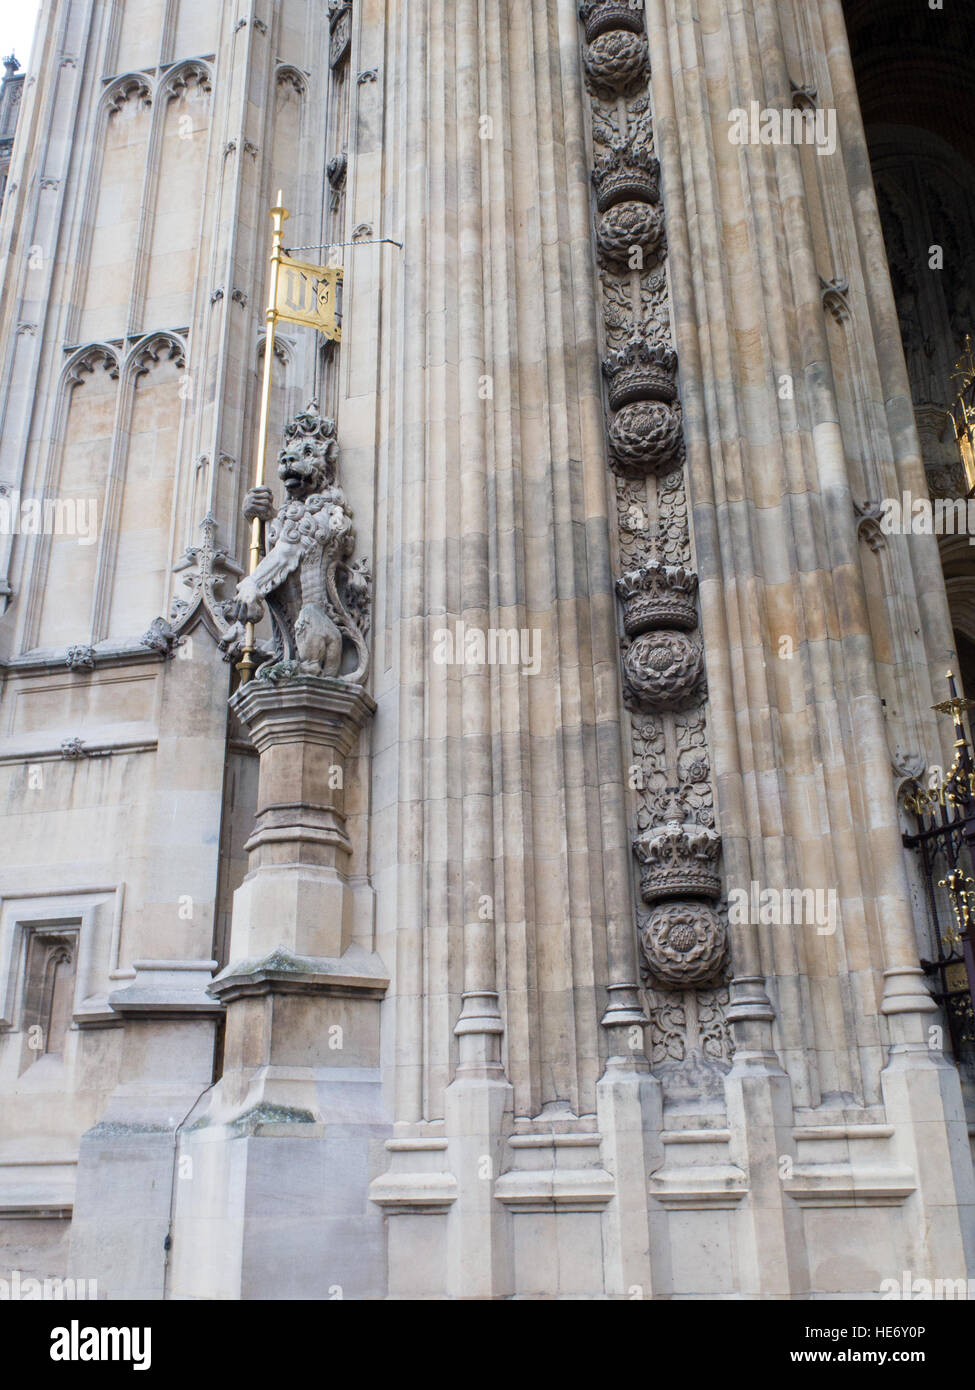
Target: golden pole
x,y
246,665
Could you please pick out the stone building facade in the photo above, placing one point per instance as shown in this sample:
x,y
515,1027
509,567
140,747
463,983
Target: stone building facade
x,y
11,90
442,959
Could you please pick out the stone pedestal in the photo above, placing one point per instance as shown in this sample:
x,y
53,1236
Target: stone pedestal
x,y
296,893
274,1165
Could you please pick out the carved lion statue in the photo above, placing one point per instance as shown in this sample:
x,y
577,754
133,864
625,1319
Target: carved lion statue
x,y
317,600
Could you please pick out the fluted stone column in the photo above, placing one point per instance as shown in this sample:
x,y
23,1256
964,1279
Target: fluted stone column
x,y
803,736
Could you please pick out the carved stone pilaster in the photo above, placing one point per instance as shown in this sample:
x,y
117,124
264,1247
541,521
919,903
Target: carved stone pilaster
x,y
682,937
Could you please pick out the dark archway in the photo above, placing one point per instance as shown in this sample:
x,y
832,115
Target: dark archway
x,y
915,70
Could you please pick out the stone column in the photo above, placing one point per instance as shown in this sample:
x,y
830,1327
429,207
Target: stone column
x,y
277,1159
803,733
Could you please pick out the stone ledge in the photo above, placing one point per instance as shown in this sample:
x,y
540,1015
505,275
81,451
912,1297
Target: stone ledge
x,y
54,660
357,973
554,1189
306,709
414,1192
836,1185
167,988
35,1211
42,750
717,1187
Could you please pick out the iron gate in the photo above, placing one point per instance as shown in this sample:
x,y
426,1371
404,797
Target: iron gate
x,y
945,843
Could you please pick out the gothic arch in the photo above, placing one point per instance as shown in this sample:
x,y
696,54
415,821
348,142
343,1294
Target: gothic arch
x,y
143,355
130,86
79,367
181,75
287,72
118,92
145,351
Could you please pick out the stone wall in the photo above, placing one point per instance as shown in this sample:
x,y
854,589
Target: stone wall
x,y
649,471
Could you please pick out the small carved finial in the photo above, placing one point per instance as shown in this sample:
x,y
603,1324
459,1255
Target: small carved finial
x,y
80,658
160,637
869,516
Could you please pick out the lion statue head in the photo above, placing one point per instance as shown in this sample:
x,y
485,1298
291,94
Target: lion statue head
x,y
307,460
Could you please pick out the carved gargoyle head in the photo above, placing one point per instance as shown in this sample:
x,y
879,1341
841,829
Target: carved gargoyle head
x,y
306,463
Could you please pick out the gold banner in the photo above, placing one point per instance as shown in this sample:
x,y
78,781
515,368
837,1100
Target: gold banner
x,y
309,294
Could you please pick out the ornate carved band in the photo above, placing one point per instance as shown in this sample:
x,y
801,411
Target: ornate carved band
x,y
682,937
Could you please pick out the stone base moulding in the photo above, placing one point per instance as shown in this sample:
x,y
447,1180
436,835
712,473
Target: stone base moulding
x,y
556,1172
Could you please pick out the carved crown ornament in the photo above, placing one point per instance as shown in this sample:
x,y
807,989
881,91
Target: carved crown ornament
x,y
640,371
627,172
657,595
679,861
599,16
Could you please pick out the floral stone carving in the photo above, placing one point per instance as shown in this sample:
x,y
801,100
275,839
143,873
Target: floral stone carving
x,y
646,437
684,945
662,670
617,59
626,225
81,658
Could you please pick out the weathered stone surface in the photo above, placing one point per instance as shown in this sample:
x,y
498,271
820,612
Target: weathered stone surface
x,y
490,1026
